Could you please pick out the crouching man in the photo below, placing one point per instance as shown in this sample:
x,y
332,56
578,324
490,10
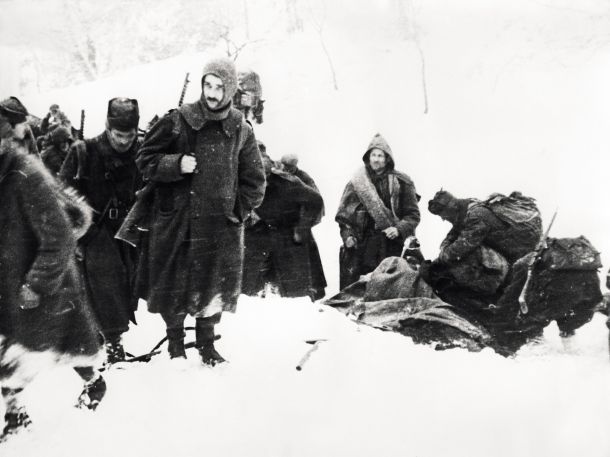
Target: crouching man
x,y
486,238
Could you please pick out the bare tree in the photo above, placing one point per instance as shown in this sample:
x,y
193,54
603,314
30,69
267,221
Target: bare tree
x,y
232,47
246,19
407,17
295,21
318,24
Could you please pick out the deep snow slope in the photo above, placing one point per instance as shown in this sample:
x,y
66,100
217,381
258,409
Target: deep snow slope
x,y
518,100
363,392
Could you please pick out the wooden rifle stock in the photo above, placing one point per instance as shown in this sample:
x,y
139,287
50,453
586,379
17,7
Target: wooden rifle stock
x,y
532,264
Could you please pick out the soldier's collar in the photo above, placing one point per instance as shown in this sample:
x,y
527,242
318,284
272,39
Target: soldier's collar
x,y
195,116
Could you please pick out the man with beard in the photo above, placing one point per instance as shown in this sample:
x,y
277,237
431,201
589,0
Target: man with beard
x,y
208,177
377,212
103,169
44,314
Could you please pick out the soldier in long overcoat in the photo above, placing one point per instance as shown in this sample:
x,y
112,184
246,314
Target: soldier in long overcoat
x,y
208,176
103,169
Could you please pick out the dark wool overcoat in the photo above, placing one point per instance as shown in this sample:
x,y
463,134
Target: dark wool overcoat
x,y
109,180
395,193
272,255
192,258
37,247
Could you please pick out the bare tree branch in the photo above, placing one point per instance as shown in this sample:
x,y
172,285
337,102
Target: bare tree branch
x,y
231,47
319,26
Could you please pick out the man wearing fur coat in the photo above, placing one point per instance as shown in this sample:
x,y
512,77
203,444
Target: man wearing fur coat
x,y
377,212
44,314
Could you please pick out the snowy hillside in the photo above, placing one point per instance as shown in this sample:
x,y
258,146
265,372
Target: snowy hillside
x,y
518,100
363,392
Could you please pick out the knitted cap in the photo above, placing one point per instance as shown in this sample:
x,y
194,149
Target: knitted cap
x,y
224,69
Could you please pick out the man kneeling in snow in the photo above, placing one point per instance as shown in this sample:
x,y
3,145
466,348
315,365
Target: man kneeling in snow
x,y
44,317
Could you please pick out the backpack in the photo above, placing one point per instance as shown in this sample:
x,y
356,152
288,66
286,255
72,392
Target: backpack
x,y
571,254
521,217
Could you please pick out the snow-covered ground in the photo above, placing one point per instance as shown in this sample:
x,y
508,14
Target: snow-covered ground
x,y
518,100
362,393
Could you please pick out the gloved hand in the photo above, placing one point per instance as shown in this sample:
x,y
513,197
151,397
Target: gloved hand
x,y
28,299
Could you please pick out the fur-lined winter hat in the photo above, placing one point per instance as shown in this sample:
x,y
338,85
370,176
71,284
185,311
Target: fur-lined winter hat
x,y
13,110
224,69
123,113
249,81
442,199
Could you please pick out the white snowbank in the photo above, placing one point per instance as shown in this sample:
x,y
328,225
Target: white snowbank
x,y
363,392
519,100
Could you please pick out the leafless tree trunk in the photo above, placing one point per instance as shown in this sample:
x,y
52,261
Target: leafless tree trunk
x,y
83,47
36,62
423,75
295,22
407,18
319,26
246,20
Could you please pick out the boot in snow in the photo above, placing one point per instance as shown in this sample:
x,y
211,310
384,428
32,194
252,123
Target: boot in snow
x,y
204,340
92,394
115,351
15,421
175,343
210,356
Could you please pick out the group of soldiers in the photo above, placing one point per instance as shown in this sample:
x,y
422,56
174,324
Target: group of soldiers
x,y
187,217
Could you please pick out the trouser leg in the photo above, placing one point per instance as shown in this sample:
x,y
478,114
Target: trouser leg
x,y
175,334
